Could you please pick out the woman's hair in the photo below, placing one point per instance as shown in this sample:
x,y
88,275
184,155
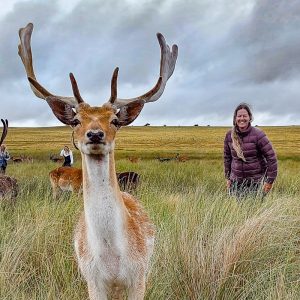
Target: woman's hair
x,y
236,142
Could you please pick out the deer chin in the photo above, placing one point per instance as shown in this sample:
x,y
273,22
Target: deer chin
x,y
96,148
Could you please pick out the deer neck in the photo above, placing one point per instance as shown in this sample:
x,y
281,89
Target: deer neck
x,y
99,175
103,206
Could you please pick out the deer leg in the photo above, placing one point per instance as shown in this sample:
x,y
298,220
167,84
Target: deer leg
x,y
55,191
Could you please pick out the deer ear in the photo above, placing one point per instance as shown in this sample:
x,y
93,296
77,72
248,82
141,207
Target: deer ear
x,y
62,111
128,113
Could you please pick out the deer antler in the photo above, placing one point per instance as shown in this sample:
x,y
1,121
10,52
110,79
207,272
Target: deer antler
x,y
4,132
167,65
26,57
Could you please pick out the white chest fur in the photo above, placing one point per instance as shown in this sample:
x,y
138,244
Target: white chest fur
x,y
104,217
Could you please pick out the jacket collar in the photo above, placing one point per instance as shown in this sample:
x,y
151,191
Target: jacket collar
x,y
246,132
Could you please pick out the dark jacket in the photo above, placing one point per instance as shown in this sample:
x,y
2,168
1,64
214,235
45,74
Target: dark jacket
x,y
260,157
4,157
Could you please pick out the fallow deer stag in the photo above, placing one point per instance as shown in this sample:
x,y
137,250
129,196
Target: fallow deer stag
x,y
8,185
114,237
70,179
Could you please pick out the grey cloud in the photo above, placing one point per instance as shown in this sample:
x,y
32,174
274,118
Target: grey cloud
x,y
229,51
269,38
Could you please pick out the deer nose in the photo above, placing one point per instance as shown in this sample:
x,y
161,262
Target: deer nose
x,y
95,136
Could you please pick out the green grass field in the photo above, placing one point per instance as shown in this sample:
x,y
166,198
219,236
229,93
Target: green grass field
x,y
208,246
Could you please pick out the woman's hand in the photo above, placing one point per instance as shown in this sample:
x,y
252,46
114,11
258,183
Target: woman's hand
x,y
228,183
267,187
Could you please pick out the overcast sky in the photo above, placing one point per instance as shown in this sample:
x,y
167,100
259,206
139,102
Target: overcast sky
x,y
230,51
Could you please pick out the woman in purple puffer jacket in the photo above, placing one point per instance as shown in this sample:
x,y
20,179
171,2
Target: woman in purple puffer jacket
x,y
249,158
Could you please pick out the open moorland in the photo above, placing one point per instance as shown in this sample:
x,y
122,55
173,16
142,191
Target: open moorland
x,y
150,142
208,246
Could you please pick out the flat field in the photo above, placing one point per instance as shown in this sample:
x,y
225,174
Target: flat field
x,y
150,142
208,246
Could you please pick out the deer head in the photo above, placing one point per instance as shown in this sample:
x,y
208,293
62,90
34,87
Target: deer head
x,y
95,127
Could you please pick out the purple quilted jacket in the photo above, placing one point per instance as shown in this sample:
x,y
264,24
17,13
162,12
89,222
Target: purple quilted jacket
x,y
260,157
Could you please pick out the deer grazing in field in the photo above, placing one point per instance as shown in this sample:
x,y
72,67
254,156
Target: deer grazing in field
x,y
70,179
8,185
21,158
56,158
133,159
65,179
166,159
114,237
183,158
16,159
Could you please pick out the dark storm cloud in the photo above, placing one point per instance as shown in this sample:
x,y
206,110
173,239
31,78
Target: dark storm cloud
x,y
229,51
270,39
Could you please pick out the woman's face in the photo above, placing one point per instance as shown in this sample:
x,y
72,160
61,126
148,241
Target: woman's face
x,y
242,119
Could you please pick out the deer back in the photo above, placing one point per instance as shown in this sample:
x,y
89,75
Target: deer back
x,y
66,178
8,188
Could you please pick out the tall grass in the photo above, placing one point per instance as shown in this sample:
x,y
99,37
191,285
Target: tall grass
x,y
208,246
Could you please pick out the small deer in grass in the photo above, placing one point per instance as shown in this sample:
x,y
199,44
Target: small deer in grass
x,y
56,158
70,179
114,238
165,159
27,159
21,158
16,159
134,159
8,185
182,158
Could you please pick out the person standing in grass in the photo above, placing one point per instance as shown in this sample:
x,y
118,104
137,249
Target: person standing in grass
x,y
249,159
68,156
4,157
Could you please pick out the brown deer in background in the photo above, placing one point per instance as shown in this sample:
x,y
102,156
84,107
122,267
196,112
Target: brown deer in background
x,y
182,158
22,158
8,185
166,159
134,159
16,159
64,179
114,238
56,158
177,157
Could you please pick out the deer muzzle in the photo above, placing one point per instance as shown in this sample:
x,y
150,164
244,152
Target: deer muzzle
x,y
95,137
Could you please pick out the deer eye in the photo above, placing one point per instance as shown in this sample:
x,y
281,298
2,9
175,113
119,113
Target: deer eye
x,y
115,122
75,122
